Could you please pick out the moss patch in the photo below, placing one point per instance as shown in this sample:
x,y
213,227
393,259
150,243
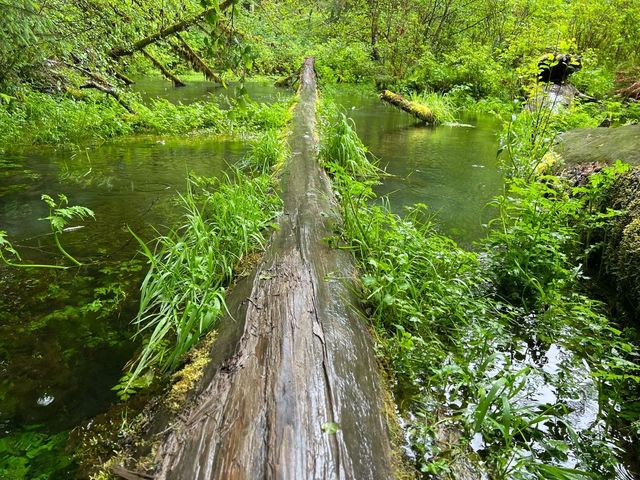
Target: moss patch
x,y
185,380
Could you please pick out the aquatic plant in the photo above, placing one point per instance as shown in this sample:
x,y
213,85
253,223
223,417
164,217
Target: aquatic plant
x,y
267,152
59,216
183,294
29,453
342,147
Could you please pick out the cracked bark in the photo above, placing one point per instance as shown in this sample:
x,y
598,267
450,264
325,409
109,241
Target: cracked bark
x,y
295,355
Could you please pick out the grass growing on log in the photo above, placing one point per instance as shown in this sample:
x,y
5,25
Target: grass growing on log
x,y
468,353
183,294
441,107
267,153
344,148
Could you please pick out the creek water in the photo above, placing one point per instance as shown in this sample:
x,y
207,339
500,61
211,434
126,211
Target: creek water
x,y
453,169
66,335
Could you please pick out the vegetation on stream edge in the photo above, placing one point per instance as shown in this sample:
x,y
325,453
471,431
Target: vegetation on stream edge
x,y
30,118
489,350
183,294
226,221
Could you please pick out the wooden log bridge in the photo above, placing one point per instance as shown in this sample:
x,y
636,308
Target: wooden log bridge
x,y
292,390
421,112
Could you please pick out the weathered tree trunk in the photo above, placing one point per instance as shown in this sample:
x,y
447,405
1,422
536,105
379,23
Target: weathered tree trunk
x,y
167,32
419,111
296,393
186,52
165,71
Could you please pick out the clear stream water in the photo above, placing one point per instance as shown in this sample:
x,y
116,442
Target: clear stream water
x,y
452,169
59,357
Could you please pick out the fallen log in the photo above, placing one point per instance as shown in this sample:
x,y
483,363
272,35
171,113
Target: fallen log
x,y
123,78
197,63
165,71
292,390
419,111
177,27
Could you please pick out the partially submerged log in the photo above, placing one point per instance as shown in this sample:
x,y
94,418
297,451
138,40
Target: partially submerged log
x,y
123,78
419,111
289,81
292,390
165,71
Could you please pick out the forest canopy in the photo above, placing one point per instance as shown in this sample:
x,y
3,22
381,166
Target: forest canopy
x,y
490,47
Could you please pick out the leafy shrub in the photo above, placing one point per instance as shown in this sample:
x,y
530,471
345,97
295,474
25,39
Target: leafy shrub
x,y
339,62
471,65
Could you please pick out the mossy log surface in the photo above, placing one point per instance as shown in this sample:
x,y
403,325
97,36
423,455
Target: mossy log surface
x,y
419,111
165,71
292,390
621,256
586,151
177,27
617,268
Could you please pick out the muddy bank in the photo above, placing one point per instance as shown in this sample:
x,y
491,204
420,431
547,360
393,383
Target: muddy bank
x,y
292,390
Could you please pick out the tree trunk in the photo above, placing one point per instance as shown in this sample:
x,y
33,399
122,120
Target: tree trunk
x,y
165,71
419,111
292,390
167,32
111,92
197,63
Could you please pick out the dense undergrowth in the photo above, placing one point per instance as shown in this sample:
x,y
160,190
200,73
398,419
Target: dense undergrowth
x,y
33,118
495,354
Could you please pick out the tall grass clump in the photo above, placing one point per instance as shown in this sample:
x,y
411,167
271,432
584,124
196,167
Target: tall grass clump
x,y
443,110
267,152
163,117
342,147
30,117
183,294
455,331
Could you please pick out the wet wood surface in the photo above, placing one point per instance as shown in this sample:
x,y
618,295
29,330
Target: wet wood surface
x,y
295,361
